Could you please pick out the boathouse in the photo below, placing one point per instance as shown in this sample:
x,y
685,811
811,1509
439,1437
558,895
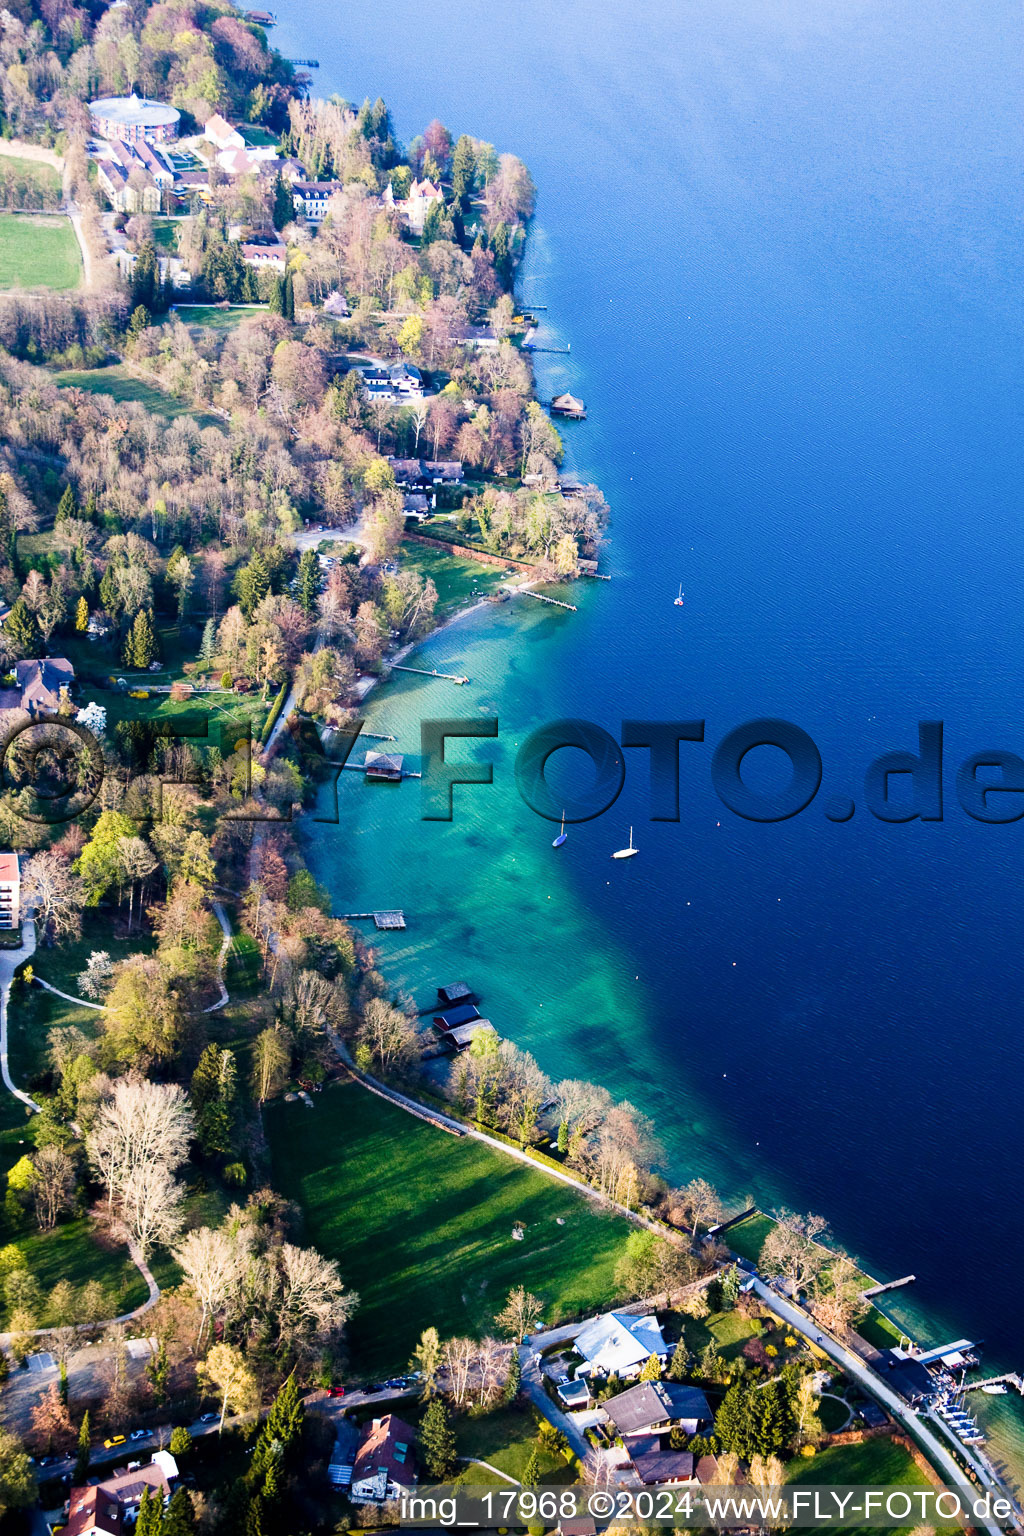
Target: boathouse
x,y
383,765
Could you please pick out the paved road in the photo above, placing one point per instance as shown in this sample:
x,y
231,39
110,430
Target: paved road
x,y
939,1454
10,959
225,928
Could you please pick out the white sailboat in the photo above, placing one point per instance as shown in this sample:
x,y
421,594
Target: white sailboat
x,y
627,853
560,839
678,602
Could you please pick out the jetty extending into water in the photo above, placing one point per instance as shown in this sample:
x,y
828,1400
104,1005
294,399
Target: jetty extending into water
x,y
1008,1379
449,677
890,1285
557,603
386,921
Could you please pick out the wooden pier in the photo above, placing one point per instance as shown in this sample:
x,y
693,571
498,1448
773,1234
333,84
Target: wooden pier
x,y
305,63
387,921
1009,1378
556,601
449,677
890,1285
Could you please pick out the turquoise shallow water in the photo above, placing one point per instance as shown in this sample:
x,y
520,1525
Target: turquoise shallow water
x,y
784,242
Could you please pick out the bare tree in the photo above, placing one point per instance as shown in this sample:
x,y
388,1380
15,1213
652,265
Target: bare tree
x,y
702,1204
520,1314
138,862
225,1371
53,1189
313,1303
141,1124
792,1250
213,1260
150,1206
271,1059
58,896
458,1357
386,1035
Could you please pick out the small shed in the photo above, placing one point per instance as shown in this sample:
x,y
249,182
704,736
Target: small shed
x,y
458,992
383,765
451,1018
462,1038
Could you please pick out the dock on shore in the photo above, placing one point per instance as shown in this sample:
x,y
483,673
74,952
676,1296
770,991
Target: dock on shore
x,y
385,921
449,677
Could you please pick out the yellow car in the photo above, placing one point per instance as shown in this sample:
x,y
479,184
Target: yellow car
x,y
114,1440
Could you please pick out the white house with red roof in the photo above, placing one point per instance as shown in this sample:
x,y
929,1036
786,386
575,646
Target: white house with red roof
x,y
10,891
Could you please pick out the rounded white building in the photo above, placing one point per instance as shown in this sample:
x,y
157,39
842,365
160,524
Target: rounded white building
x,y
132,118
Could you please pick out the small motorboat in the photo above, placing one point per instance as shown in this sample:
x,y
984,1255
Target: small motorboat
x,y
627,853
678,602
995,1389
560,839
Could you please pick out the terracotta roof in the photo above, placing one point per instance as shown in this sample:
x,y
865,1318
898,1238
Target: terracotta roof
x,y
93,1510
388,1444
8,867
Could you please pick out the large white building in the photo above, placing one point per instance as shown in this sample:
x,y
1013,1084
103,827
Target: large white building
x,y
10,891
134,117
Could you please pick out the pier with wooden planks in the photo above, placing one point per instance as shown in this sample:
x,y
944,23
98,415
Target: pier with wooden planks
x,y
449,677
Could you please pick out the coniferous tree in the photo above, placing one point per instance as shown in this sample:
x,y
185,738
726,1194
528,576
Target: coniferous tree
x,y
733,1423
145,276
309,581
284,207
288,297
463,171
140,647
651,1370
67,506
82,616
150,1516
81,1471
208,643
8,532
437,1440
21,627
180,1515
514,1378
252,584
680,1362
771,1418
212,1093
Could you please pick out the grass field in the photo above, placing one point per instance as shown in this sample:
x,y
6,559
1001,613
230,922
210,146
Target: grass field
x,y
507,1438
747,1239
876,1463
456,579
117,382
35,172
421,1222
729,1330
165,234
215,318
38,250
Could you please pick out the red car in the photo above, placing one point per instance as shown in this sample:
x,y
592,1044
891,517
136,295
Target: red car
x,y
335,1391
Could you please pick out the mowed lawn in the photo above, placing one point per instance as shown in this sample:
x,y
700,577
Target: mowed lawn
x,y
421,1222
38,250
457,580
874,1463
119,384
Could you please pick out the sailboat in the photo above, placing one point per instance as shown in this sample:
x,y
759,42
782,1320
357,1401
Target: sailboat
x,y
560,839
678,602
627,853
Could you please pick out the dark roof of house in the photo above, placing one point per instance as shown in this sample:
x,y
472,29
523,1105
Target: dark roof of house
x,y
907,1377
41,680
653,1402
653,1465
456,992
463,1013
316,189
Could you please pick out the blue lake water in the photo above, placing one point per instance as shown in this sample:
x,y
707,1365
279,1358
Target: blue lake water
x,y
784,240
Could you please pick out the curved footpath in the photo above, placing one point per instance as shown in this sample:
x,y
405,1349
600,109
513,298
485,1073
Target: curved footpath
x,y
10,959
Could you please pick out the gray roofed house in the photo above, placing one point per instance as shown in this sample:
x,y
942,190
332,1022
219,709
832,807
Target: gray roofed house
x,y
651,1406
41,681
619,1343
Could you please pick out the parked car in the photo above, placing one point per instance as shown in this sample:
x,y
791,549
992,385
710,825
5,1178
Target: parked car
x,y
139,1434
208,1418
114,1440
335,1391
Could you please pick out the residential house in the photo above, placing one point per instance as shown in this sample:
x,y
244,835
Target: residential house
x,y
10,891
619,1344
652,1407
421,474
312,198
654,1464
113,1505
573,1395
465,335
138,194
384,1466
238,162
274,256
221,135
397,381
42,682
